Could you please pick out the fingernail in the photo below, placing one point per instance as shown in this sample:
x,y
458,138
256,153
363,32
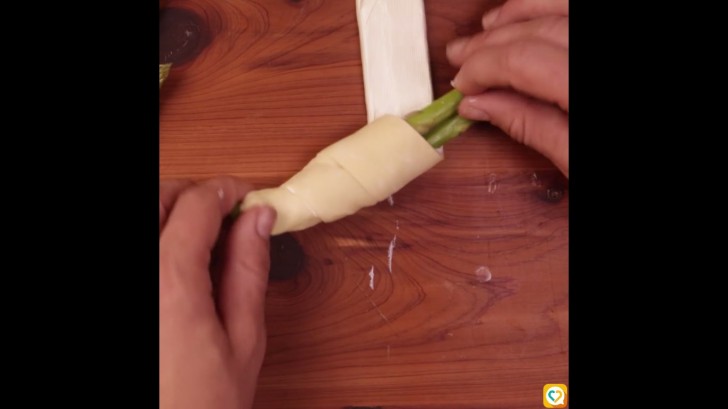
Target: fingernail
x,y
491,17
468,109
455,81
455,47
266,218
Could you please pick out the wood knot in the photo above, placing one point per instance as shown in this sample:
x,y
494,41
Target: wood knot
x,y
550,186
305,4
182,35
554,194
286,257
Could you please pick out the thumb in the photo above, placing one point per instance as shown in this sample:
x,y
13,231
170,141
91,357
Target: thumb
x,y
245,279
538,125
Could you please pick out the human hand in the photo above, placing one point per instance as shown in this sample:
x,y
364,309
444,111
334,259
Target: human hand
x,y
211,347
515,74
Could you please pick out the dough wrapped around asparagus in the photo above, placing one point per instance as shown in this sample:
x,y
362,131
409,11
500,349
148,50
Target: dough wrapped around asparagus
x,y
358,171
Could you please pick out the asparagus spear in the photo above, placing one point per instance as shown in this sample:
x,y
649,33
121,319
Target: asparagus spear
x,y
440,109
163,73
447,130
439,121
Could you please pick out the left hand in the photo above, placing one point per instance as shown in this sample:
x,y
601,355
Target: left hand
x,y
211,348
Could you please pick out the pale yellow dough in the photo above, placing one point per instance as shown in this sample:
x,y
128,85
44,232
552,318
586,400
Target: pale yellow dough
x,y
358,171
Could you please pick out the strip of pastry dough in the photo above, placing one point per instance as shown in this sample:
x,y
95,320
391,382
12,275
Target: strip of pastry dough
x,y
358,171
394,55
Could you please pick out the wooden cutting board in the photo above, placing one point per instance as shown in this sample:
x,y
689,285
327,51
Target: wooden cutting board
x,y
474,312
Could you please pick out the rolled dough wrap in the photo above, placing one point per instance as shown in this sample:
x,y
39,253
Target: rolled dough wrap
x,y
358,171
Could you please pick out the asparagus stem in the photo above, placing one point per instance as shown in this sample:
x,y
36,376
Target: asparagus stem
x,y
440,109
236,210
447,130
163,73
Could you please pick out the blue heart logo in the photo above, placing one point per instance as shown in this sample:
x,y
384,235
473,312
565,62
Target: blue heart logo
x,y
559,395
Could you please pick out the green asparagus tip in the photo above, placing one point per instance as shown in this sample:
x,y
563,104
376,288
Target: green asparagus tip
x,y
440,109
237,209
163,73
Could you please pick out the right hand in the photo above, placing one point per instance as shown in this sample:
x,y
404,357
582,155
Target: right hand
x,y
515,74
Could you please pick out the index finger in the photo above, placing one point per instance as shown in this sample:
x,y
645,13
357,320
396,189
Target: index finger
x,y
532,67
552,29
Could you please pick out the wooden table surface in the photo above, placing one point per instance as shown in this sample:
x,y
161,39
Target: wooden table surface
x,y
474,313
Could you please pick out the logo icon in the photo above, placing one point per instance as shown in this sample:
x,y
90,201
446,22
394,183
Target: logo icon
x,y
554,395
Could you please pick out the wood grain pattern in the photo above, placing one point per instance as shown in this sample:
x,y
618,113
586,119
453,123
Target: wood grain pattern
x,y
274,82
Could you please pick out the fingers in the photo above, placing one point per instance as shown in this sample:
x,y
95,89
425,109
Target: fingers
x,y
540,126
551,29
520,10
191,230
245,277
516,74
533,67
168,192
